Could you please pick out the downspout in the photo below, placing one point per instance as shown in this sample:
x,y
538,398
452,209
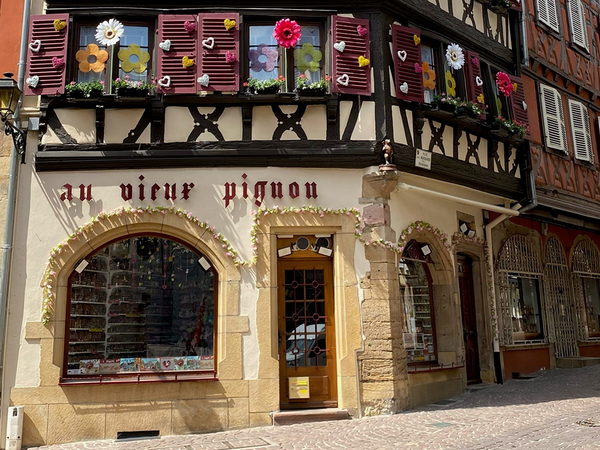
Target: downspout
x,y
12,200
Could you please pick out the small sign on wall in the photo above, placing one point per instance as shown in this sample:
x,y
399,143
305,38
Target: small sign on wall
x,y
423,159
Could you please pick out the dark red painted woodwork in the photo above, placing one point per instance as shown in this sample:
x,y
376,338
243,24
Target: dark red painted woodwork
x,y
183,43
403,42
517,101
346,63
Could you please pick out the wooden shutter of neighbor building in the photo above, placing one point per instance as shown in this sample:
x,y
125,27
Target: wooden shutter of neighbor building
x,y
407,63
222,75
345,64
518,104
547,13
580,131
183,43
553,118
52,44
577,21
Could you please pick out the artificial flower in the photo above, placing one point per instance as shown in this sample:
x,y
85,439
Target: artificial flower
x,y
92,50
450,84
287,33
109,32
504,84
262,50
428,77
455,56
141,56
307,58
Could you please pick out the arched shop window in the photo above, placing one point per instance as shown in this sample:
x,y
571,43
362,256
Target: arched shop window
x,y
144,305
416,293
519,284
586,273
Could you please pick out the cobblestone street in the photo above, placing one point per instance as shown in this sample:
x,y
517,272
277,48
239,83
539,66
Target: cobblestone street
x,y
556,409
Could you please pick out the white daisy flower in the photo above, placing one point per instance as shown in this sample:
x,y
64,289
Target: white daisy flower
x,y
455,56
109,32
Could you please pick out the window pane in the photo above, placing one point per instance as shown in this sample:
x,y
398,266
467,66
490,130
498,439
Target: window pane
x,y
263,53
308,56
133,55
142,304
91,62
429,75
592,305
525,308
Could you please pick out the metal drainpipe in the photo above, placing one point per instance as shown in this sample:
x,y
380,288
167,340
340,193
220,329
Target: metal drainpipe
x,y
11,201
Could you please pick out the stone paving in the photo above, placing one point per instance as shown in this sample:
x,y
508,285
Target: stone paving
x,y
534,414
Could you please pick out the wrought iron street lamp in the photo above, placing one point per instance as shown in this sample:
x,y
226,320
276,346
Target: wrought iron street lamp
x,y
9,98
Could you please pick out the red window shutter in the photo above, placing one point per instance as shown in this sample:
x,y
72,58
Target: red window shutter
x,y
473,74
52,44
183,43
516,5
345,64
517,103
222,75
407,63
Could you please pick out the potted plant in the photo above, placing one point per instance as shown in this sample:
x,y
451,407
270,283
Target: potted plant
x,y
85,89
499,5
270,86
475,109
304,88
124,87
445,102
513,127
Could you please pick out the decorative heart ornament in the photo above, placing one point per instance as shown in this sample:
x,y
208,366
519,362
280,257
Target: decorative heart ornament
x,y
404,88
33,81
418,68
35,45
478,81
362,61
165,45
416,39
340,46
190,27
57,63
524,105
187,62
230,57
208,43
343,79
362,30
164,81
229,24
204,80
59,24
402,55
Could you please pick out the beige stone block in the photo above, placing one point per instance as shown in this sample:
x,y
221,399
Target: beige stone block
x,y
51,361
144,222
138,416
200,415
37,330
377,370
380,289
210,389
384,271
375,253
260,419
238,413
181,227
229,366
376,310
374,329
35,424
114,393
266,309
72,423
345,249
230,292
347,394
379,184
234,324
264,395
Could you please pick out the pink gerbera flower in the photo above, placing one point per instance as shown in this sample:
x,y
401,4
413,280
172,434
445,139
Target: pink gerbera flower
x,y
504,84
287,33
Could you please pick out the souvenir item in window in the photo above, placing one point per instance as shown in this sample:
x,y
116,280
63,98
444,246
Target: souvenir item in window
x,y
137,63
109,365
91,59
149,364
129,365
229,24
192,363
455,56
307,58
428,77
167,363
504,84
109,32
179,363
59,24
270,54
207,363
287,33
89,366
362,61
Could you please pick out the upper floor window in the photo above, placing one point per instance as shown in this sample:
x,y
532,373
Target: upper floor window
x,y
578,23
548,14
580,131
553,118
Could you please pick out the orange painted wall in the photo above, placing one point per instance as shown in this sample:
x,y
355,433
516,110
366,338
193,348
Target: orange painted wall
x,y
11,19
525,361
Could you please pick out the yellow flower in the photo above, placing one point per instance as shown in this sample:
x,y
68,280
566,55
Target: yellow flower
x,y
450,84
142,57
98,57
481,98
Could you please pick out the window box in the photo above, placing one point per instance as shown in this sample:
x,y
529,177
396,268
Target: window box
x,y
445,106
130,92
272,90
94,94
461,111
311,92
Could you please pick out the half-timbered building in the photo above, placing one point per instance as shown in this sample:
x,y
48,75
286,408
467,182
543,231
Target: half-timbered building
x,y
218,221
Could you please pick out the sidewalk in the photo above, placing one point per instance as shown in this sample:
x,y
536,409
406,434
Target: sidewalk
x,y
536,414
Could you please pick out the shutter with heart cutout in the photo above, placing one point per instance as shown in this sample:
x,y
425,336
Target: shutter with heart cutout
x,y
219,51
45,44
348,76
518,104
406,45
176,40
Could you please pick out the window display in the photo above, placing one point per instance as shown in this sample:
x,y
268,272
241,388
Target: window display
x,y
143,304
525,308
591,292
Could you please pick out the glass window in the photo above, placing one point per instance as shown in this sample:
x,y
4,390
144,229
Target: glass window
x,y
525,308
429,75
591,292
501,102
419,326
263,53
143,304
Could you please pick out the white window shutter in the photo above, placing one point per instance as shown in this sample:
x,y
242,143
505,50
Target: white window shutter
x,y
577,20
580,131
547,13
553,118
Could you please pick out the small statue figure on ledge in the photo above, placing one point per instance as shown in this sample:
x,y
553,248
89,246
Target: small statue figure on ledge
x,y
388,153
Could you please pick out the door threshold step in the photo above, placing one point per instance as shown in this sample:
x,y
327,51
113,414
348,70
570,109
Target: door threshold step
x,y
308,415
577,361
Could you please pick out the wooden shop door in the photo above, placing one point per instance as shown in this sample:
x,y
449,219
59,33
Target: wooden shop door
x,y
469,319
306,334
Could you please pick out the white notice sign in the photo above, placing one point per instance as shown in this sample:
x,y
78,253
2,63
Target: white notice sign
x,y
423,159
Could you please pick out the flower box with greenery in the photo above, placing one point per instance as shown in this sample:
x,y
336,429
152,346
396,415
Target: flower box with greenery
x,y
499,6
270,86
124,87
476,108
448,103
512,126
87,89
315,89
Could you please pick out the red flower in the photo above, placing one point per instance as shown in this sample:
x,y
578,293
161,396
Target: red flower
x,y
302,76
504,84
287,33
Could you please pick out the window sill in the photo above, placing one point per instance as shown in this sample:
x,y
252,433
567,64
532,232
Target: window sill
x,y
423,368
526,345
137,378
561,154
584,52
588,165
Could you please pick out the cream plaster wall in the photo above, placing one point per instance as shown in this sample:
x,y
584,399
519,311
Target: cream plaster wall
x,y
179,123
365,125
119,122
85,130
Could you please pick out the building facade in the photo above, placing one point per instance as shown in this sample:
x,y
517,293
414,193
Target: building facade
x,y
225,244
